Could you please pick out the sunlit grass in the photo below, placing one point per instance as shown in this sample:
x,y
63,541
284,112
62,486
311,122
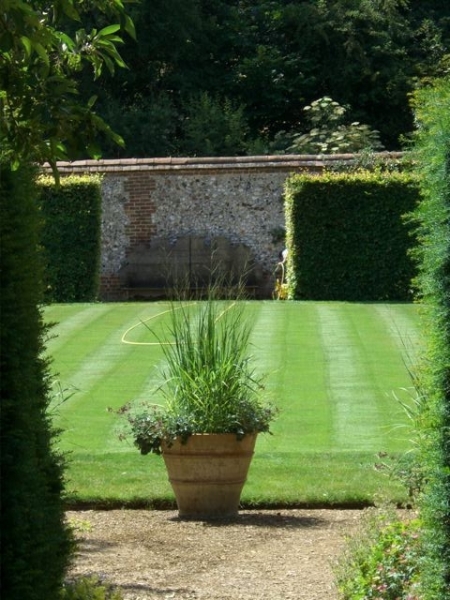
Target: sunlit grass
x,y
331,368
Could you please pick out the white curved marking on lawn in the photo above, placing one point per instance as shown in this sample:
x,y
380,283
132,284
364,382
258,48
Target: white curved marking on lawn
x,y
164,312
142,322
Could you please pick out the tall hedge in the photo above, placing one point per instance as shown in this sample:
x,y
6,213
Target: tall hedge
x,y
433,215
347,237
35,542
71,237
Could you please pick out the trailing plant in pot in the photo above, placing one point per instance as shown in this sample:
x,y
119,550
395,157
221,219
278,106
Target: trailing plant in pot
x,y
212,412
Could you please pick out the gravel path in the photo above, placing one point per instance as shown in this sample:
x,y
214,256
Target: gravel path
x,y
260,555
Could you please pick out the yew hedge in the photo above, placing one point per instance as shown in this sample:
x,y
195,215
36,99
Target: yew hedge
x,y
71,237
348,238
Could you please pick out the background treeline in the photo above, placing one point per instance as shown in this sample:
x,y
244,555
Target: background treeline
x,y
225,77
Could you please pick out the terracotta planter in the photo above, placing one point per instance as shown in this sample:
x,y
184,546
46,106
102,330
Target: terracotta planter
x,y
208,473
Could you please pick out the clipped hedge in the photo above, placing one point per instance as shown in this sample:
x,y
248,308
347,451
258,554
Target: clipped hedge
x,y
347,237
433,215
36,542
71,237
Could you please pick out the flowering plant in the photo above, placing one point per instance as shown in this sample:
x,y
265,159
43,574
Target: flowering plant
x,y
383,564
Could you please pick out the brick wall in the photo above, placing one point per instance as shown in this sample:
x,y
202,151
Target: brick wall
x,y
140,206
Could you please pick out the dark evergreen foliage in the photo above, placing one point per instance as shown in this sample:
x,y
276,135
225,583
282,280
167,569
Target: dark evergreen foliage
x,y
35,541
43,118
272,58
347,237
71,238
433,215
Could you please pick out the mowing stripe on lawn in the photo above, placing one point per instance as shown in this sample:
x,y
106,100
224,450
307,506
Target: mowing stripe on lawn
x,y
72,317
104,371
356,418
404,328
325,363
286,337
361,359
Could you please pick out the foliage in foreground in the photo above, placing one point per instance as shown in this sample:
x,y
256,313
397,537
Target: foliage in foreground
x,y
43,116
89,588
433,215
42,119
35,541
382,562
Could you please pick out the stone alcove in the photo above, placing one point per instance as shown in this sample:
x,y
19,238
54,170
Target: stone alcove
x,y
188,264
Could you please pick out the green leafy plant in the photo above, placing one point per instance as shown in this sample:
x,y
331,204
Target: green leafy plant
x,y
368,159
408,467
89,588
329,133
433,253
214,126
382,562
210,384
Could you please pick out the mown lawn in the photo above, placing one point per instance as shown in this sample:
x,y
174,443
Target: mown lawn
x,y
333,369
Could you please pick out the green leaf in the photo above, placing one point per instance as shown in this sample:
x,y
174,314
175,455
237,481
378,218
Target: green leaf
x,y
118,139
94,151
70,10
108,62
42,53
65,39
26,43
92,100
129,27
106,31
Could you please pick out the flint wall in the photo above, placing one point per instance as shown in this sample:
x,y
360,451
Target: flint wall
x,y
147,202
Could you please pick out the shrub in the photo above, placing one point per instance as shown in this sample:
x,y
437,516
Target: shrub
x,y
71,237
36,543
382,562
330,134
347,238
433,216
214,127
89,588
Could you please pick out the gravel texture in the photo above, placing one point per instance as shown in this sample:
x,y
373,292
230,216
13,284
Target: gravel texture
x,y
260,555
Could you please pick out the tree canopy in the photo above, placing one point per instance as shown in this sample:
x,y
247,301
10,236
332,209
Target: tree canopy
x,y
262,62
43,116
